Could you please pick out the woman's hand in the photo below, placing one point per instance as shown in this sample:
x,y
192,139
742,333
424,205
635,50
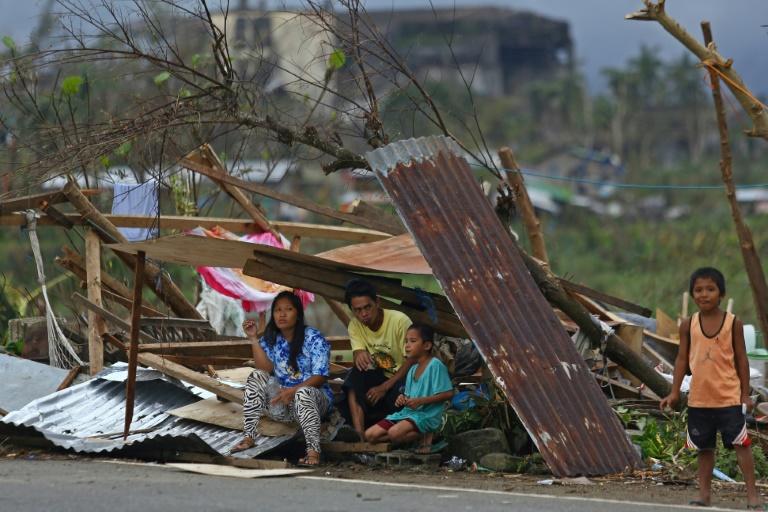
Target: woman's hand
x,y
400,401
249,326
285,396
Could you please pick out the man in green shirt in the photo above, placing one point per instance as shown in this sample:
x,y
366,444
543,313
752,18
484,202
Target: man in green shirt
x,y
377,337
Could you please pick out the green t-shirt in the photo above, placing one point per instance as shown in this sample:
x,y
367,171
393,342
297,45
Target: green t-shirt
x,y
434,380
387,344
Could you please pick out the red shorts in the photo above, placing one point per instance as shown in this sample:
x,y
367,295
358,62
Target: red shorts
x,y
388,424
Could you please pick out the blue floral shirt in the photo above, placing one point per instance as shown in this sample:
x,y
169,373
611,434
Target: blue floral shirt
x,y
313,360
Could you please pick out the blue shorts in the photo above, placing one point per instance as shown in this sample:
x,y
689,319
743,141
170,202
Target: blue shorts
x,y
705,422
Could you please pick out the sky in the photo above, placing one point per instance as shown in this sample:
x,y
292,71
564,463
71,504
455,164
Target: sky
x,y
603,38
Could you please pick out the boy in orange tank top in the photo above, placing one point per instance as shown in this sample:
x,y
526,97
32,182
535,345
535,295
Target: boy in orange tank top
x,y
712,347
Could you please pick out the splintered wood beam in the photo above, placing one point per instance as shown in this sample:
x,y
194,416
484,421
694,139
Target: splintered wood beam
x,y
130,385
205,155
604,297
157,280
292,199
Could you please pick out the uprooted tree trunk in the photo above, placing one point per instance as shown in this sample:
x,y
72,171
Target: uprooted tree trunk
x,y
613,347
157,281
746,243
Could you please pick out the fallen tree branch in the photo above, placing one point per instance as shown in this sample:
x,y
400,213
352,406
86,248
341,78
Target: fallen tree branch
x,y
708,55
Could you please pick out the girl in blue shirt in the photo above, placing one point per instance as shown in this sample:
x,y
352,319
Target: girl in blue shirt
x,y
427,389
290,379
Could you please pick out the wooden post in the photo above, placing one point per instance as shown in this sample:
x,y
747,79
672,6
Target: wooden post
x,y
686,299
748,252
166,290
96,326
729,307
130,387
531,221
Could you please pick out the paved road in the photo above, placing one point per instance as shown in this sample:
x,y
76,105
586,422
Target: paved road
x,y
82,485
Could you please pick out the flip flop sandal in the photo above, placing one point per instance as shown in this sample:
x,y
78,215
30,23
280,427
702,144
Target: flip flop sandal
x,y
697,503
243,445
304,462
761,506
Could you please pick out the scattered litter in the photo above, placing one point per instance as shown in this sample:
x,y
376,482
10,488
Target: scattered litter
x,y
456,464
581,480
721,476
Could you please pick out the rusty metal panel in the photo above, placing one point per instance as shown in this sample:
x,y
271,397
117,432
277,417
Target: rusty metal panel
x,y
527,350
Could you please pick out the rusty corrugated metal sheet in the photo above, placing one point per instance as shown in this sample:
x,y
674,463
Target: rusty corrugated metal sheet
x,y
482,273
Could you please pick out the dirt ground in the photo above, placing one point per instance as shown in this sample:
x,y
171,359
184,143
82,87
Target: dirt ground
x,y
649,487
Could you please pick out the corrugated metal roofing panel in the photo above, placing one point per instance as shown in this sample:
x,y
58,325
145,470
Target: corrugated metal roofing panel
x,y
516,330
89,418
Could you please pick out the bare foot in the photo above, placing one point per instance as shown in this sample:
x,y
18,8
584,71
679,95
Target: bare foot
x,y
312,459
243,445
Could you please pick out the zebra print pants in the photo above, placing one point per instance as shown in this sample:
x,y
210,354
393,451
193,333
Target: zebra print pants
x,y
308,407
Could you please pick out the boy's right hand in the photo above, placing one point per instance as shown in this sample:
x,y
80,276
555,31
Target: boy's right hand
x,y
400,401
670,400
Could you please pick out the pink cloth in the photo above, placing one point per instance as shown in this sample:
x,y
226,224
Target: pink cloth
x,y
232,283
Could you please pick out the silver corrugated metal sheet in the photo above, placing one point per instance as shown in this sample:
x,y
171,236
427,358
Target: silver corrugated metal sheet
x,y
22,381
89,418
527,350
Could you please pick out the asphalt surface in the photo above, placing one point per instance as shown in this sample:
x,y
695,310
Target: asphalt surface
x,y
84,485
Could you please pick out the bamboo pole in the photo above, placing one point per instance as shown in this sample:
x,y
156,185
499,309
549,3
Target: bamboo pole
x,y
748,252
130,386
523,200
96,325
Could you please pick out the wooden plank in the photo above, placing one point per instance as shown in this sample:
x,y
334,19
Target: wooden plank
x,y
70,377
179,323
360,447
178,222
446,324
237,349
96,326
110,317
198,379
366,210
34,201
180,372
157,280
604,297
146,311
665,325
230,461
206,361
130,384
205,155
292,199
624,391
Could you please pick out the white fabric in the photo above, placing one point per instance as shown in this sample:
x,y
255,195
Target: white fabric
x,y
225,314
132,199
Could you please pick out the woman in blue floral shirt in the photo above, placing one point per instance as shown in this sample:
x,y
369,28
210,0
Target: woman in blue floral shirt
x,y
290,380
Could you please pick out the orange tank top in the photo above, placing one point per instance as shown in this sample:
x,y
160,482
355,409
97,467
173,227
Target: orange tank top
x,y
714,381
